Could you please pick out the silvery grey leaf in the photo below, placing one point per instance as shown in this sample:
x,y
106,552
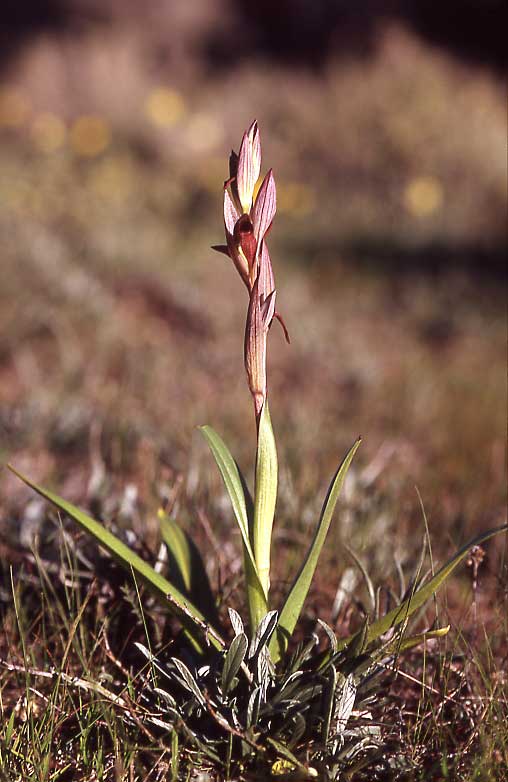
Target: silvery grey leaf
x,y
233,661
300,726
344,704
236,621
263,633
328,703
329,632
302,653
188,681
253,707
263,671
288,687
154,661
165,696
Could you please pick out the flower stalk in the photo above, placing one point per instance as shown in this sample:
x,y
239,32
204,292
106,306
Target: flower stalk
x,y
247,220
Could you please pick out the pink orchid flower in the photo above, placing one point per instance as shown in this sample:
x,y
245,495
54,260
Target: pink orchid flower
x,y
247,220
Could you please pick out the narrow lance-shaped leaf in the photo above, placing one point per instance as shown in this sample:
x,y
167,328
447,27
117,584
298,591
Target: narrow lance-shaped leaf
x,y
237,494
236,621
191,618
329,701
265,497
187,570
187,680
298,592
233,661
403,644
263,634
345,704
412,604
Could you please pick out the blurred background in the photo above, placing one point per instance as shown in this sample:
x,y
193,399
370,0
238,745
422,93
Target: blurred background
x,y
121,331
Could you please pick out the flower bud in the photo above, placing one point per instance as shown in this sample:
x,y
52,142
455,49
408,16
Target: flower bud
x,y
248,167
259,318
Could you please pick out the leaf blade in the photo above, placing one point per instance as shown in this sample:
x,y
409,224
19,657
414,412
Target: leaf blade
x,y
298,592
190,617
235,486
233,661
189,566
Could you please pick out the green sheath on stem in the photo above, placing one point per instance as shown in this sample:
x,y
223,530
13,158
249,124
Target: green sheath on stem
x,y
265,497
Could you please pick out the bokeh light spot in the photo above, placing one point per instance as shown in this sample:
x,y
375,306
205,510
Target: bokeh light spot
x,y
89,136
14,107
48,132
164,107
423,196
203,133
112,180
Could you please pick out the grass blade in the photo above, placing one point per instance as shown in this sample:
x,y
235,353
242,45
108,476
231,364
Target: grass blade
x,y
191,618
413,603
298,592
404,644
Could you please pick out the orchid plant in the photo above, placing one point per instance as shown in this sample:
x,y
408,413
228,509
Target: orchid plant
x,y
284,701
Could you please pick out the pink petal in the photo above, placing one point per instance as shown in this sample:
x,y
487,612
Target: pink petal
x,y
255,140
249,166
230,213
265,206
266,278
268,309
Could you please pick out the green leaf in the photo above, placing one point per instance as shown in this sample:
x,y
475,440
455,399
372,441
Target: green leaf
x,y
263,634
265,496
239,497
233,661
190,617
236,621
403,644
329,702
253,707
187,680
358,642
330,633
413,603
186,567
298,592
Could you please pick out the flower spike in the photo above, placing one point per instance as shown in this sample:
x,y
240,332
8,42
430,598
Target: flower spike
x,y
247,221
